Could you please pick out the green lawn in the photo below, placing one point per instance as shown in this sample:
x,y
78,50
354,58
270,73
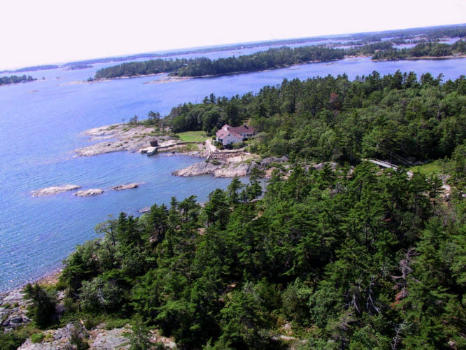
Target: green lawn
x,y
192,136
429,168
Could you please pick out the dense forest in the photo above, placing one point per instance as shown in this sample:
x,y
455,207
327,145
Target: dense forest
x,y
140,68
272,58
344,259
396,117
14,79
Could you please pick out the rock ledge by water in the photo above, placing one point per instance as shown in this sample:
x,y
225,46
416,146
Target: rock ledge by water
x,y
48,191
125,187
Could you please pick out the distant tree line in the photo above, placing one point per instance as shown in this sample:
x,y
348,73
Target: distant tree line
x,y
14,79
397,117
272,58
140,68
428,49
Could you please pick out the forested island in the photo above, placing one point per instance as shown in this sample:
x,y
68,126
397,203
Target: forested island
x,y
15,79
272,58
343,255
276,58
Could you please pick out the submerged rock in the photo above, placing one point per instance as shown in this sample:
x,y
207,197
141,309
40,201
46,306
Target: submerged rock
x,y
48,191
125,187
89,193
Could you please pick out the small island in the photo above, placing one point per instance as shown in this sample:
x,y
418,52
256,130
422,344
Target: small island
x,y
16,79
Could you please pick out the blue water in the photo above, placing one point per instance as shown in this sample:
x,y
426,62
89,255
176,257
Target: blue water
x,y
41,123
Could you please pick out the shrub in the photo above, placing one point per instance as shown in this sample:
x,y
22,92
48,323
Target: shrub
x,y
10,341
37,337
42,310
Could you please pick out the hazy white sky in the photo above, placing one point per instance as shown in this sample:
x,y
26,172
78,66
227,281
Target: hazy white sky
x,y
52,31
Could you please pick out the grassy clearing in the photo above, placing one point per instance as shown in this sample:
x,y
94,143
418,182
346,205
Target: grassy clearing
x,y
192,136
435,167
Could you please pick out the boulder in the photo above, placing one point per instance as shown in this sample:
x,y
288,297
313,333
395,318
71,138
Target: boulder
x,y
201,168
125,187
89,193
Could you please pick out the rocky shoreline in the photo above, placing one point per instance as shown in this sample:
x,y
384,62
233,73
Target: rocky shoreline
x,y
13,306
234,166
143,139
91,192
119,137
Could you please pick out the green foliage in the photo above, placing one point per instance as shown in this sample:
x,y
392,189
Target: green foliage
x,y
11,340
100,295
272,58
432,168
140,336
428,49
395,118
139,68
350,258
37,337
459,166
194,67
243,318
15,79
42,309
78,337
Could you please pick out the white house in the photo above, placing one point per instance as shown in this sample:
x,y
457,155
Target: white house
x,y
229,134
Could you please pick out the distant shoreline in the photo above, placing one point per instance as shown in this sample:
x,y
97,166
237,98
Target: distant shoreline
x,y
174,78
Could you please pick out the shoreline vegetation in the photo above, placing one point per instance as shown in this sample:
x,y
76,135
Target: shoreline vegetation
x,y
277,58
198,67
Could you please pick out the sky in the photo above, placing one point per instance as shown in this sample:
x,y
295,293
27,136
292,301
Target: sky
x,y
36,32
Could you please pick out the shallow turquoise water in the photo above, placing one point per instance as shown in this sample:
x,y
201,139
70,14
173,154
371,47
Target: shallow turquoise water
x,y
41,123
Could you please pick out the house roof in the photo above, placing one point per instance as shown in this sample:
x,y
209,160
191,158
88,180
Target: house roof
x,y
228,130
243,129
